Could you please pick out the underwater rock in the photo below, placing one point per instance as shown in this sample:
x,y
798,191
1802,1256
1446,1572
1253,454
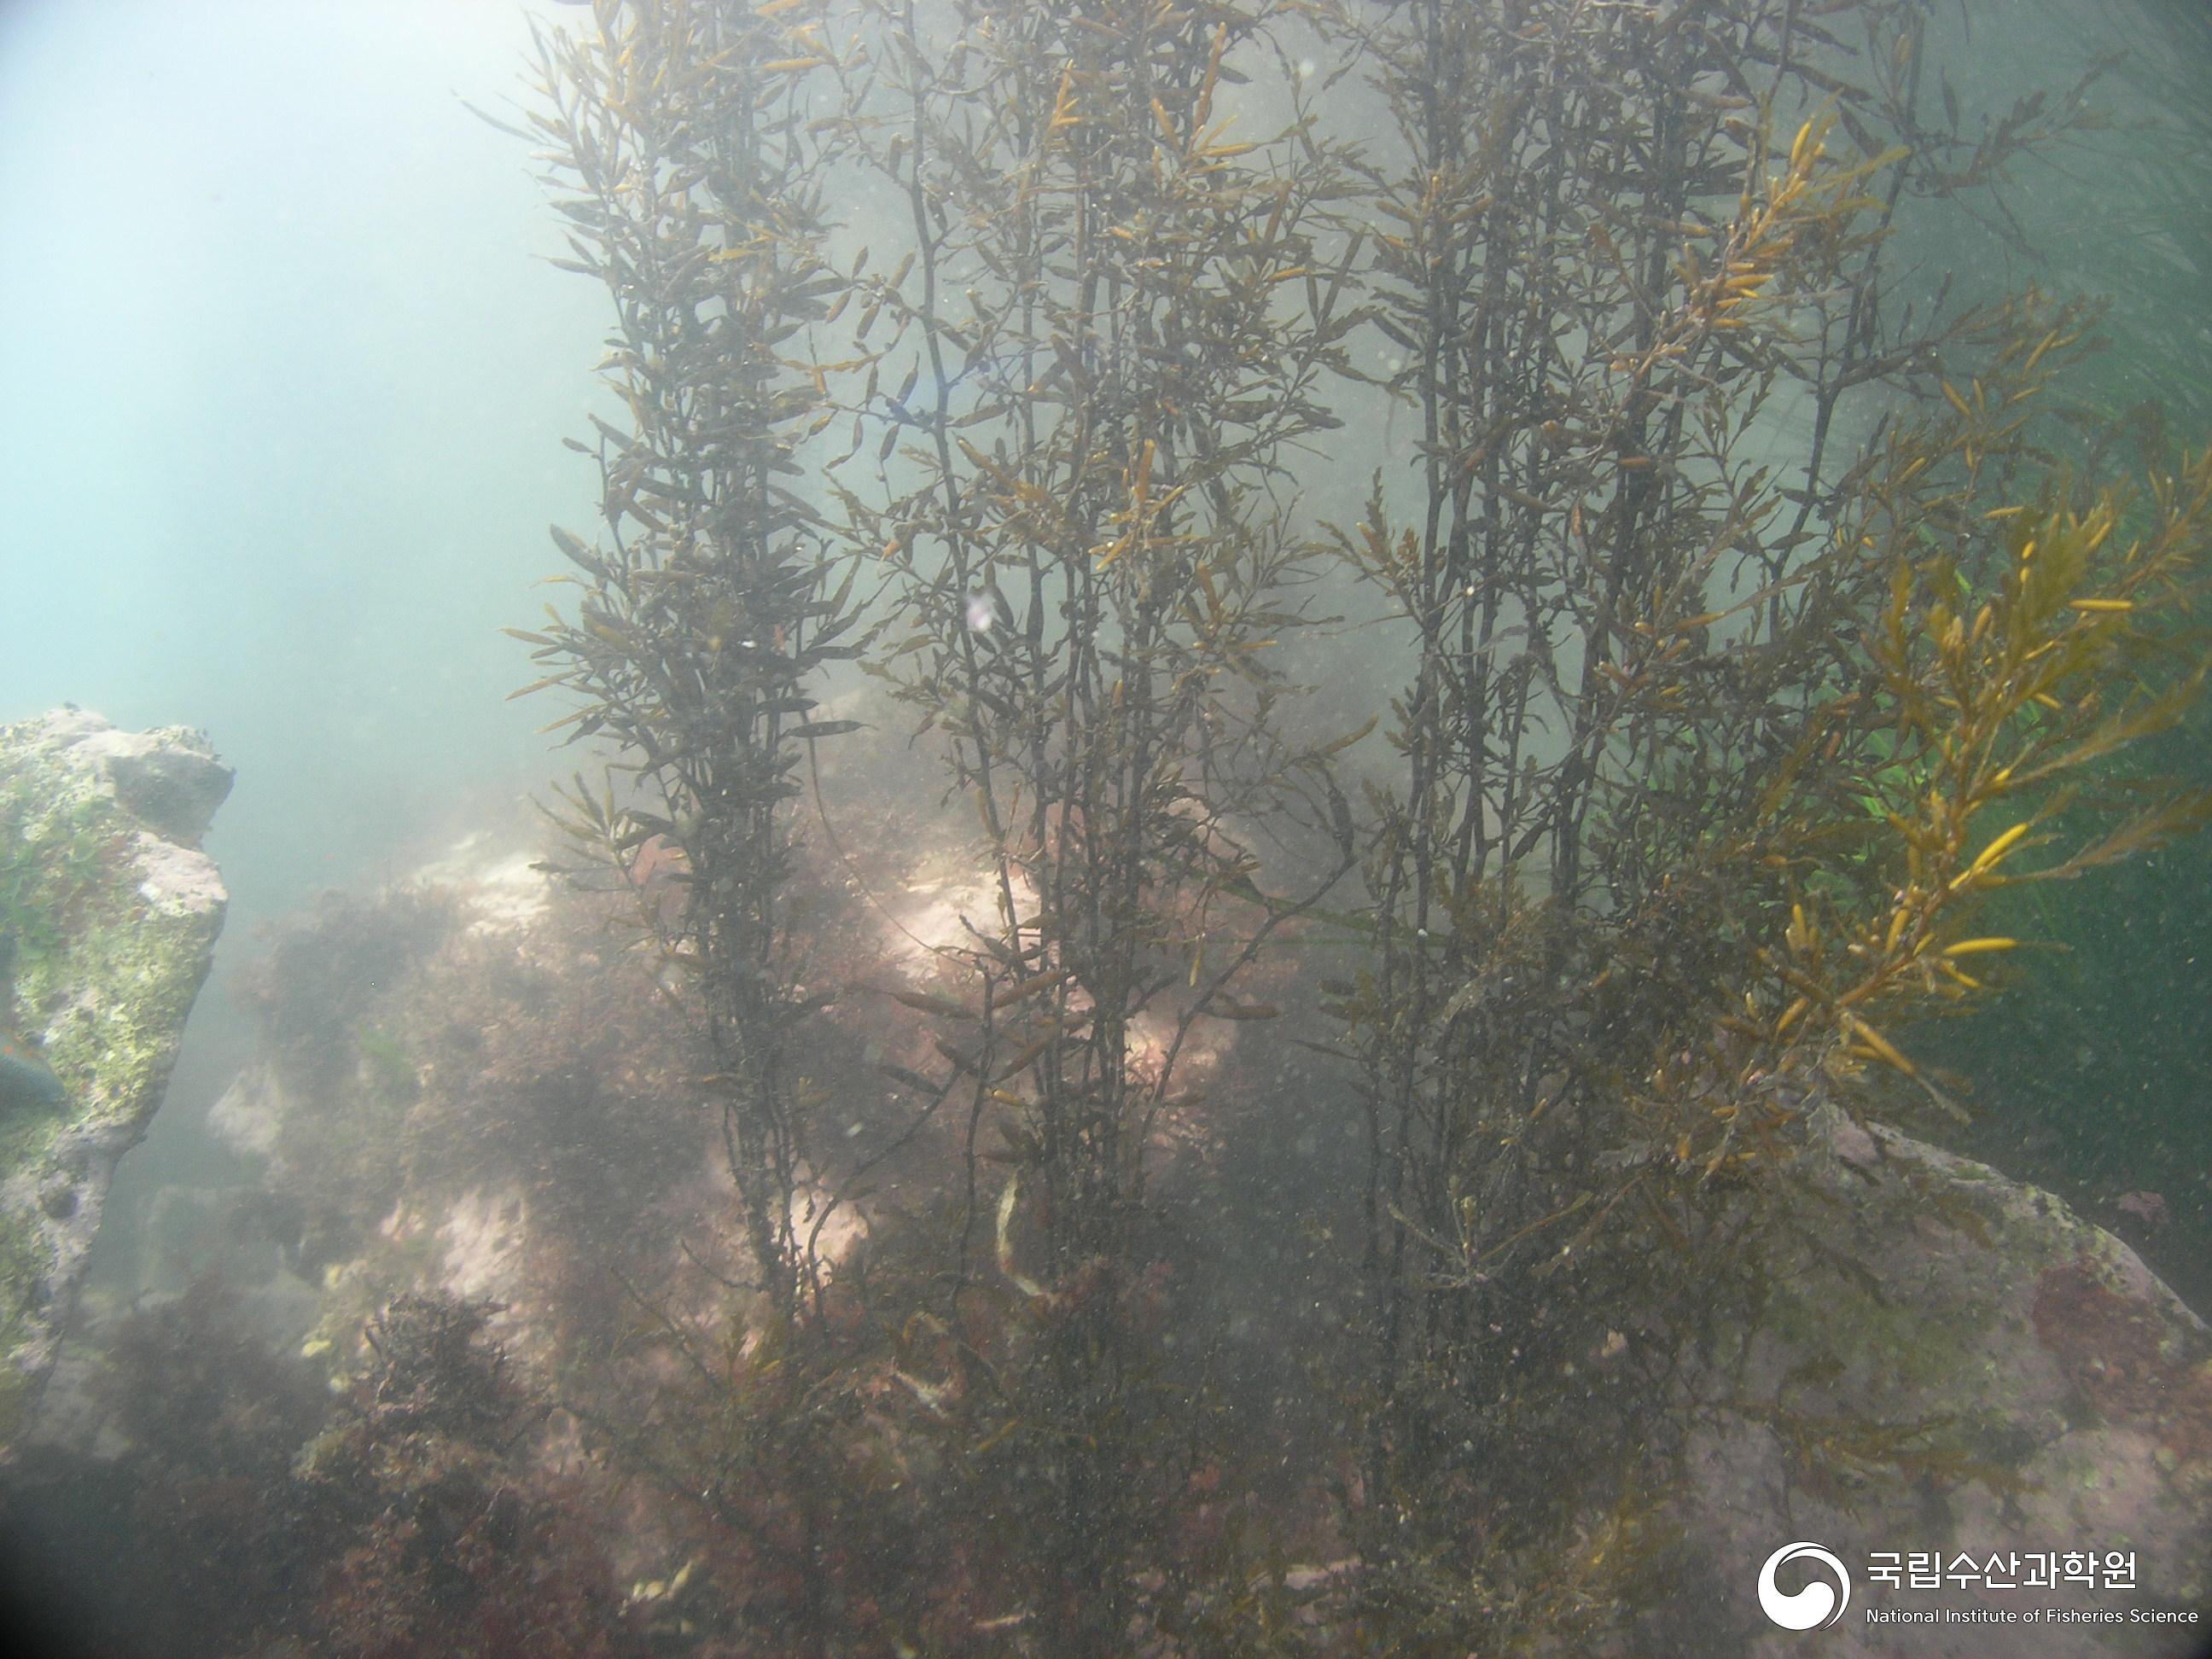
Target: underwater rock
x,y
168,778
471,1082
437,1106
1950,1363
110,915
247,1115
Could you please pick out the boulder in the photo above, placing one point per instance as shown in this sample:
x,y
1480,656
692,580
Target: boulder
x,y
1951,1376
108,919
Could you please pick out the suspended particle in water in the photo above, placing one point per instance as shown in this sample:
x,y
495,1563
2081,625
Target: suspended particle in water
x,y
988,610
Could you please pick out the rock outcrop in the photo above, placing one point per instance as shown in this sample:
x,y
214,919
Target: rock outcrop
x,y
109,913
469,1089
1984,1406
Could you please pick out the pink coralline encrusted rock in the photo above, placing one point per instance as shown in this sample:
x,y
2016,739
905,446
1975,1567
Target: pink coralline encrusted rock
x,y
1950,1363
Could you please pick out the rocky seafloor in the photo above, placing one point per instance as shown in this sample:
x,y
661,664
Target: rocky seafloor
x,y
436,1370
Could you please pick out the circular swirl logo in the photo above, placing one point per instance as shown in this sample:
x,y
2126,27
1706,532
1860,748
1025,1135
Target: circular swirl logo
x,y
1815,1604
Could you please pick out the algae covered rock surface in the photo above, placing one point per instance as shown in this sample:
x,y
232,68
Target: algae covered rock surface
x,y
109,913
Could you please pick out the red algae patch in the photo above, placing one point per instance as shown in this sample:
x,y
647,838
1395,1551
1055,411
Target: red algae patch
x,y
2127,1362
